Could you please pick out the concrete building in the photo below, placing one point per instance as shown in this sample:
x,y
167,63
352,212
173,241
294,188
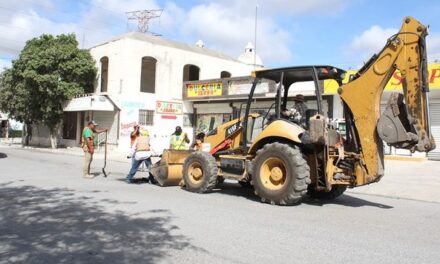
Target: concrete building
x,y
140,80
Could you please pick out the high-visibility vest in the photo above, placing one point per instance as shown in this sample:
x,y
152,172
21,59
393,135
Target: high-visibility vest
x,y
178,144
143,143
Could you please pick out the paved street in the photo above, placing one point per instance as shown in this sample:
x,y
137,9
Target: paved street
x,y
50,214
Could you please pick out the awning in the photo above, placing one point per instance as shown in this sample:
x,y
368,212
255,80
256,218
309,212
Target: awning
x,y
90,103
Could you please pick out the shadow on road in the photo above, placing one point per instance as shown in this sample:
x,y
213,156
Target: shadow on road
x,y
54,226
3,155
236,190
344,200
137,180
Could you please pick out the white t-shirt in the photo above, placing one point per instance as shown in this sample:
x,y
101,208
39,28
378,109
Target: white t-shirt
x,y
140,155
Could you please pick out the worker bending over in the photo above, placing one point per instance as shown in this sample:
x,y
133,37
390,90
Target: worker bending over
x,y
141,152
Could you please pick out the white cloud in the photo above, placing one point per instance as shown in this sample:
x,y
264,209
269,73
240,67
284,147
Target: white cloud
x,y
227,25
371,41
97,22
433,46
282,7
25,25
224,25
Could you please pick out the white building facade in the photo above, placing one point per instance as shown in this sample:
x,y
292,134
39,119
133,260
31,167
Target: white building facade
x,y
140,81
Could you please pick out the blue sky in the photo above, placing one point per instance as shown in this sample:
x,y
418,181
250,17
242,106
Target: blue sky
x,y
343,33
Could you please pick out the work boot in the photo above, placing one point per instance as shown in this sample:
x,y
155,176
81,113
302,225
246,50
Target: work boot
x,y
88,176
129,180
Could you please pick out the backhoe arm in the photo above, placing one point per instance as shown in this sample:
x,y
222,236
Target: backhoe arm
x,y
402,125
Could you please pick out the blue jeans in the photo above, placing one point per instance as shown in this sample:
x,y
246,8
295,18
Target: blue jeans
x,y
135,165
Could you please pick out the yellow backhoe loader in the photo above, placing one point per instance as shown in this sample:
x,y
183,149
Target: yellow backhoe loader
x,y
285,160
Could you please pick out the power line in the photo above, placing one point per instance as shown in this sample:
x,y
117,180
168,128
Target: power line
x,y
143,18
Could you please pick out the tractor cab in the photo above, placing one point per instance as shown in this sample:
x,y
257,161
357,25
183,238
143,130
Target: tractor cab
x,y
287,104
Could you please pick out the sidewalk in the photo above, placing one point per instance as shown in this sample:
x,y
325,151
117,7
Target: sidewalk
x,y
416,180
113,155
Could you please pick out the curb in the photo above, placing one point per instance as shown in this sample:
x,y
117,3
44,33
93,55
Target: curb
x,y
409,198
405,158
65,151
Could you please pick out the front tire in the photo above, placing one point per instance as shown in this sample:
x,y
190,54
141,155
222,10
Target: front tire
x,y
280,174
200,172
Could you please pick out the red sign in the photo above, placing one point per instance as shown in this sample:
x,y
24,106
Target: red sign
x,y
169,108
169,117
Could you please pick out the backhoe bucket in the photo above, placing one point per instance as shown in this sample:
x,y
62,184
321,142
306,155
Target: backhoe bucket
x,y
168,171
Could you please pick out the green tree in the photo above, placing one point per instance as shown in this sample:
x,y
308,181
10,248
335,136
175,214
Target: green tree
x,y
49,71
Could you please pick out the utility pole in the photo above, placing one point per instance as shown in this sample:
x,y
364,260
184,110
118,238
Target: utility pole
x,y
255,37
143,18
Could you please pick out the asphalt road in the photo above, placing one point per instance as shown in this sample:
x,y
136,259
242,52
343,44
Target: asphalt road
x,y
50,214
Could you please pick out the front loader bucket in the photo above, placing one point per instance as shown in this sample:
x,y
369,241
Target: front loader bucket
x,y
168,171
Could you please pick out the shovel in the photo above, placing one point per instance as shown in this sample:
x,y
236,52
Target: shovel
x,y
105,155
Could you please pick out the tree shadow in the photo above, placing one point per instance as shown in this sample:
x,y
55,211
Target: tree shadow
x,y
235,189
55,226
3,155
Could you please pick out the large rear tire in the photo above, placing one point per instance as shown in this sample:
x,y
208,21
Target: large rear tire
x,y
280,174
336,191
200,172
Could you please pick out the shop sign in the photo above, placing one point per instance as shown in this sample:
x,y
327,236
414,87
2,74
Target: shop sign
x,y
169,108
173,117
204,89
394,84
239,87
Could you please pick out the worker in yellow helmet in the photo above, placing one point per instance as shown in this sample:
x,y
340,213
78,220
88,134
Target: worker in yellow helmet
x,y
141,152
179,140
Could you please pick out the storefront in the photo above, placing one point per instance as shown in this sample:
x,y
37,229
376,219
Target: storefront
x,y
160,117
434,108
220,100
78,111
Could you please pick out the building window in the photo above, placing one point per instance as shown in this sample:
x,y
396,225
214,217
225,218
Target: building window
x,y
191,73
225,74
69,125
146,117
148,75
104,74
188,120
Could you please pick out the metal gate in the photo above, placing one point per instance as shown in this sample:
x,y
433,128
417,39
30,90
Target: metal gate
x,y
435,130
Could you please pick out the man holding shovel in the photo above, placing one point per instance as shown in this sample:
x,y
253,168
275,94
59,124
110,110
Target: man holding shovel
x,y
88,145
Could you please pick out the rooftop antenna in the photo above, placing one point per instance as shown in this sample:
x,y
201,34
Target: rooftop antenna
x,y
143,18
